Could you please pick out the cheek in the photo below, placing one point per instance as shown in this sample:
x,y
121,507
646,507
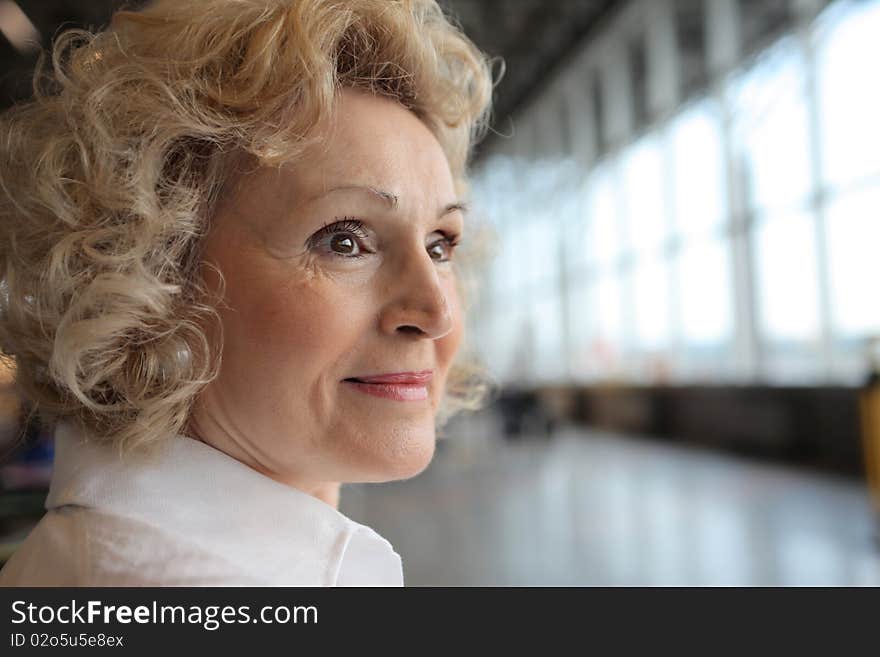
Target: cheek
x,y
293,325
448,345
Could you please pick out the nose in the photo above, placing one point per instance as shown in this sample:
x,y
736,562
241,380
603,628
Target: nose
x,y
418,302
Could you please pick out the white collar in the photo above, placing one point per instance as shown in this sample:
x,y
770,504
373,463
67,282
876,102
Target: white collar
x,y
272,532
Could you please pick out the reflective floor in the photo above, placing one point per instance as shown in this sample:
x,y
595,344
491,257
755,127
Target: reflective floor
x,y
591,508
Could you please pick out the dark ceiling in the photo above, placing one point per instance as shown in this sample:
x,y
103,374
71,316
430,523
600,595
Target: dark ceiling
x,y
531,36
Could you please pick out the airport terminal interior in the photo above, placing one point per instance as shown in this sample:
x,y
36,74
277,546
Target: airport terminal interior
x,y
671,264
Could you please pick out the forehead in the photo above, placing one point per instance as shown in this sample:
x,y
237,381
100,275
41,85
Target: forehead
x,y
374,141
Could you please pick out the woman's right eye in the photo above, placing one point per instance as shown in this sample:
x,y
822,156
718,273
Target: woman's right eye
x,y
341,238
345,244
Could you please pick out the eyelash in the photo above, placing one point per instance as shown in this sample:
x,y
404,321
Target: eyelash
x,y
356,228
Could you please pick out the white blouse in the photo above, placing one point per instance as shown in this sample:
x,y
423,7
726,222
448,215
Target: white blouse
x,y
192,516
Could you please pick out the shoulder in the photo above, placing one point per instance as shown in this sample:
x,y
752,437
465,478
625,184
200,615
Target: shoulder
x,y
77,546
50,555
367,559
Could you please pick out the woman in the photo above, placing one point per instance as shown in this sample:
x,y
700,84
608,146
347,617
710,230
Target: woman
x,y
229,275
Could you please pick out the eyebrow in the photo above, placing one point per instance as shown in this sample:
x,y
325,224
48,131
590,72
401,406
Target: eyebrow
x,y
390,199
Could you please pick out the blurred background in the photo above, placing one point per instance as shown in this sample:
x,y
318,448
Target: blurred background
x,y
681,311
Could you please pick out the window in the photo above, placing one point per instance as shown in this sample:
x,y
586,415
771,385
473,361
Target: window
x,y
538,249
645,196
771,129
701,264
849,95
698,175
579,325
608,317
603,218
787,278
547,320
651,303
705,288
853,227
737,237
644,183
787,289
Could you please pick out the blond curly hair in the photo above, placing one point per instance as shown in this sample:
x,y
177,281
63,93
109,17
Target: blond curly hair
x,y
109,176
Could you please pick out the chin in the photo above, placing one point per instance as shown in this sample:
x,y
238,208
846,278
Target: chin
x,y
402,459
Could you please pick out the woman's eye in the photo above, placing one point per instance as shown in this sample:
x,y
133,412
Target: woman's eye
x,y
442,250
342,238
344,244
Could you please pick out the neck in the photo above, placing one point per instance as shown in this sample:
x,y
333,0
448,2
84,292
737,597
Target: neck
x,y
326,491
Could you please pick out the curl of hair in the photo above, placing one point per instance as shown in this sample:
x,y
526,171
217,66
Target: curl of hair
x,y
108,178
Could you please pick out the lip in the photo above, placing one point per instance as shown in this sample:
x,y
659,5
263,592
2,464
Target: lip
x,y
399,386
412,378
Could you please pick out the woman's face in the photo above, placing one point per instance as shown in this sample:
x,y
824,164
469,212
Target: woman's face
x,y
337,267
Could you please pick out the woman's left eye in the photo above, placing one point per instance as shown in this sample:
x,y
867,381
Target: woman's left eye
x,y
442,249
